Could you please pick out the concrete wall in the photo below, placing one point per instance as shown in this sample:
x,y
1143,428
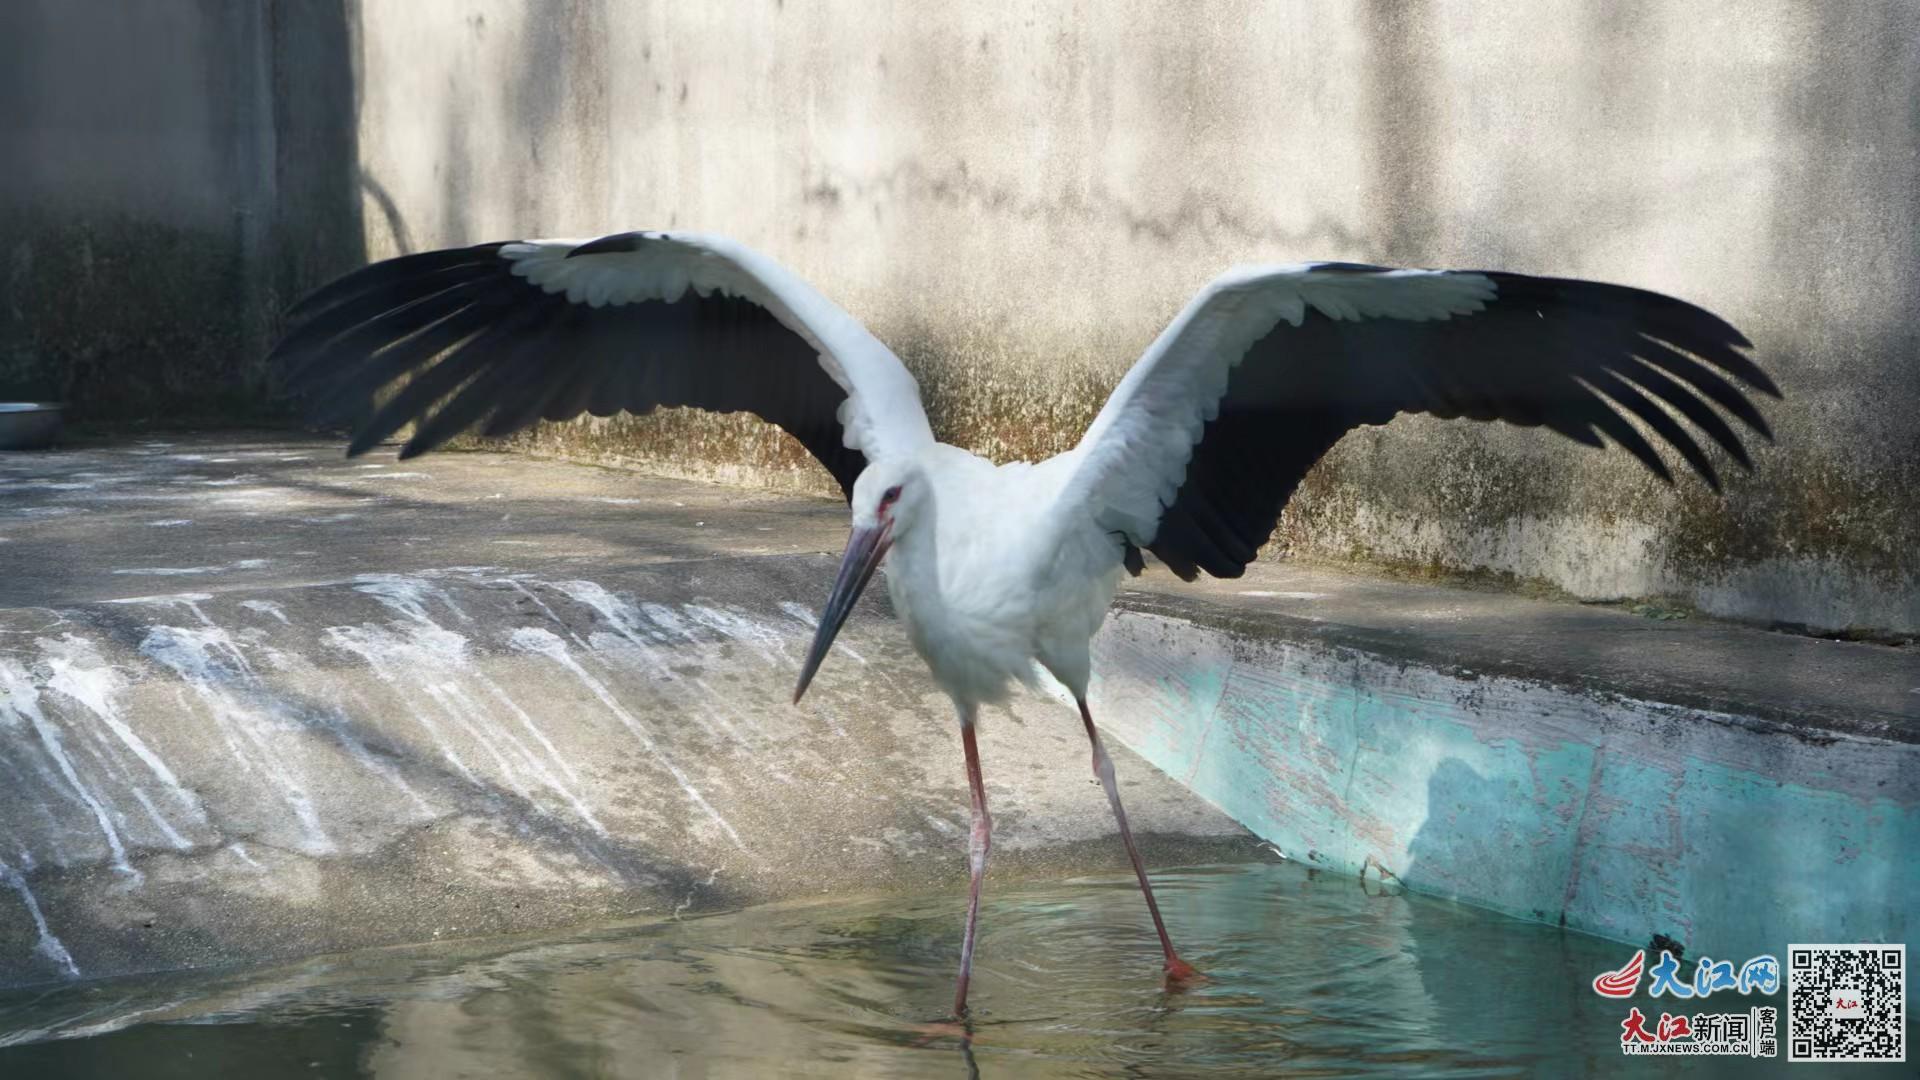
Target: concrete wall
x,y
1017,197
175,173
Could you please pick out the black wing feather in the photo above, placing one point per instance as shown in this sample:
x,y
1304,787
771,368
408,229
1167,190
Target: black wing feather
x,y
472,347
1541,353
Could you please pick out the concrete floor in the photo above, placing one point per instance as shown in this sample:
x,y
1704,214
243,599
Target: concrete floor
x,y
257,701
224,512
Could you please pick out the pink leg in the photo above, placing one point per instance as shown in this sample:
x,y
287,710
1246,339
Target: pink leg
x,y
978,842
1178,970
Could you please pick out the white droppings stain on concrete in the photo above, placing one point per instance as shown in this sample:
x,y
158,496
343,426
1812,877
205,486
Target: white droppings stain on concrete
x,y
129,497
48,485
170,523
618,613
240,851
641,640
669,621
543,642
258,497
189,571
21,698
266,607
45,511
737,625
522,589
188,600
78,671
167,831
213,667
342,730
395,661
391,476
407,595
553,752
48,946
462,710
419,654
812,622
480,726
618,502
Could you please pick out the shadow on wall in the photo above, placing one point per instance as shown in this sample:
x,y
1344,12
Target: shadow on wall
x,y
1841,268
182,172
1641,848
1401,122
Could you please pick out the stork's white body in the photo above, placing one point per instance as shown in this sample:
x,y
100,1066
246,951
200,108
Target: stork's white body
x,y
996,575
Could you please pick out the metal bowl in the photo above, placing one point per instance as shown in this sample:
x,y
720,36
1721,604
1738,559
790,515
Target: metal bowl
x,y
28,425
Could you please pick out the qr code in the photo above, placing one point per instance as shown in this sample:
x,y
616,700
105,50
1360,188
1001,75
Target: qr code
x,y
1846,1003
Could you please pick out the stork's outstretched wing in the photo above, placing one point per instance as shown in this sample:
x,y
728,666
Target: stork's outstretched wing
x,y
494,337
1200,446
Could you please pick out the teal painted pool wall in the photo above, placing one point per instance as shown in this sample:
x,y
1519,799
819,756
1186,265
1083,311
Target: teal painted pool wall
x,y
1618,817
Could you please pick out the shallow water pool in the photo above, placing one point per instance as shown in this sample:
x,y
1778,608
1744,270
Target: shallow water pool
x,y
1310,975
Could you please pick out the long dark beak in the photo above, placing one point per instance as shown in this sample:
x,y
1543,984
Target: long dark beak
x,y
865,548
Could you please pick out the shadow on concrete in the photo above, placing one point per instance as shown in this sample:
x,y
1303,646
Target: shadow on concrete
x,y
188,169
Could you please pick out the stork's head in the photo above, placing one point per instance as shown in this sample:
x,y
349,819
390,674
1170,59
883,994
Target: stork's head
x,y
886,499
887,494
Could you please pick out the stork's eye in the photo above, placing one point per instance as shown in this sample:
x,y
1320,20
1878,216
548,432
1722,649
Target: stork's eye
x,y
888,496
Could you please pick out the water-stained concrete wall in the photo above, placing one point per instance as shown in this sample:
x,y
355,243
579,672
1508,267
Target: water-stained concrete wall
x,y
1017,198
175,173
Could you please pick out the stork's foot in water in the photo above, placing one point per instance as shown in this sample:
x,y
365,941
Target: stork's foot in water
x,y
1179,975
958,1027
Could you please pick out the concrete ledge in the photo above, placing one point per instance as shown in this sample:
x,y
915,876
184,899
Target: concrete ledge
x,y
246,764
1733,789
198,778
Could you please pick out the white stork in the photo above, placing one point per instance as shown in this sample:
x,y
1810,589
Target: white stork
x,y
996,568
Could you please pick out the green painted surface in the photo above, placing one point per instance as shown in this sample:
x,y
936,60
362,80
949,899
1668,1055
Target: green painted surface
x,y
1620,817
